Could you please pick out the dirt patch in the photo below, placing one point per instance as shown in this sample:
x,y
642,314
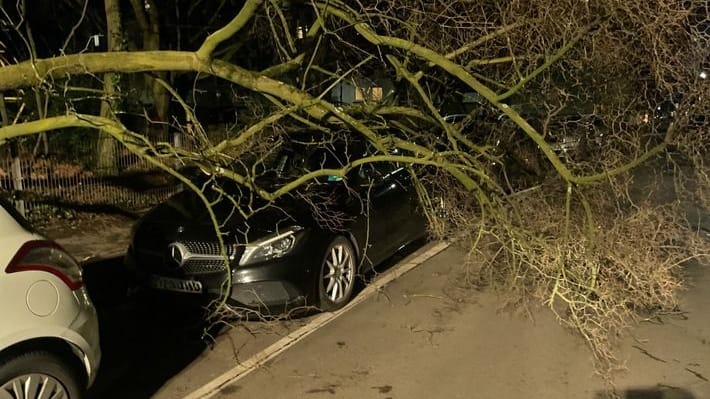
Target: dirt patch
x,y
90,235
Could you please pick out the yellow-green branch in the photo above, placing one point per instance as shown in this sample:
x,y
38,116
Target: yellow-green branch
x,y
235,25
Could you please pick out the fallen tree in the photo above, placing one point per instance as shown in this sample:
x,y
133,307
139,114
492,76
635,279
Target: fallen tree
x,y
593,73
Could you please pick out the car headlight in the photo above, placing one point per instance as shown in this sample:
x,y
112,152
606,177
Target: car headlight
x,y
270,247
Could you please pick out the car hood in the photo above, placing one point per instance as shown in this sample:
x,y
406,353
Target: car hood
x,y
185,215
187,212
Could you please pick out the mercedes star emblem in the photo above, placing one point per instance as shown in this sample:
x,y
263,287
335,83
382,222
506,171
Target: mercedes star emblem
x,y
178,252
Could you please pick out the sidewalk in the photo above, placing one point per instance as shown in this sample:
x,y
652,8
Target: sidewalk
x,y
428,337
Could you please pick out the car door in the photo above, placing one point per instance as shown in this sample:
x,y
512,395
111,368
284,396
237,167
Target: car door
x,y
390,213
371,227
406,221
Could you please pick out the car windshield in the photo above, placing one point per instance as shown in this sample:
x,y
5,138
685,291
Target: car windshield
x,y
291,160
299,158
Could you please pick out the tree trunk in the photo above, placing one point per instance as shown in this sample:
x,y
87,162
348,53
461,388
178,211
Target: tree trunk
x,y
106,149
146,14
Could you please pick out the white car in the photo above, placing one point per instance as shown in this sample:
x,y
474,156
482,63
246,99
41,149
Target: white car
x,y
49,334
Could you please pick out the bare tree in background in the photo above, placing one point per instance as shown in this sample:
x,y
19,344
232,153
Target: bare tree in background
x,y
146,14
106,154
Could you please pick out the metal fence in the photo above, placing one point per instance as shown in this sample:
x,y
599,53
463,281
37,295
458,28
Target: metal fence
x,y
47,183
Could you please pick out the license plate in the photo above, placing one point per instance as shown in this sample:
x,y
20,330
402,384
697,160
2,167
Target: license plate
x,y
175,284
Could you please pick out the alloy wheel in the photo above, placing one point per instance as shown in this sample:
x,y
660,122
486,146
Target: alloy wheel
x,y
339,272
33,386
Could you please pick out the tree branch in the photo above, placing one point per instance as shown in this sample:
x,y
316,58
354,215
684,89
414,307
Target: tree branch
x,y
555,57
500,31
29,73
464,76
237,23
457,71
123,135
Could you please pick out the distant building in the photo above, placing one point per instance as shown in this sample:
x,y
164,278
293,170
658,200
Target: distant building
x,y
361,90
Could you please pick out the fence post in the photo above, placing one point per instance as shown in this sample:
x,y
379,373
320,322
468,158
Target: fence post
x,y
16,171
177,140
17,178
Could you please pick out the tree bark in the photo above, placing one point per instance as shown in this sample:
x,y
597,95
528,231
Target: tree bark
x,y
106,149
146,14
28,73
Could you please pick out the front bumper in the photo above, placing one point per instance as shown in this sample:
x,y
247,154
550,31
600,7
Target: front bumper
x,y
274,286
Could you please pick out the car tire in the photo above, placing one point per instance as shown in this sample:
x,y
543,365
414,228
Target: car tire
x,y
35,371
336,279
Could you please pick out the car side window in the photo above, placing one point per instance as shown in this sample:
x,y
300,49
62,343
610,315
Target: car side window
x,y
380,174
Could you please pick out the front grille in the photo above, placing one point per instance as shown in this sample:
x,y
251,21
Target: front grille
x,y
201,266
204,257
209,248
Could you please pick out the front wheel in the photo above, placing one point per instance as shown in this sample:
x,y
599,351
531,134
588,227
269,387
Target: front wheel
x,y
36,375
336,279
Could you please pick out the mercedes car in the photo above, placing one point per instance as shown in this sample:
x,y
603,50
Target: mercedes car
x,y
305,249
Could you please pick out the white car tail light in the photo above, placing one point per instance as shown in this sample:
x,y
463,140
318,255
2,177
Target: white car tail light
x,y
47,256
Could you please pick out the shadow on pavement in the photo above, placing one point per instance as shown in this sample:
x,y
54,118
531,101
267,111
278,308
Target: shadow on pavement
x,y
648,393
144,343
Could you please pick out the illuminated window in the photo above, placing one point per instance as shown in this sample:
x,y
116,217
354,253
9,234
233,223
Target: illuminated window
x,y
370,94
376,94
